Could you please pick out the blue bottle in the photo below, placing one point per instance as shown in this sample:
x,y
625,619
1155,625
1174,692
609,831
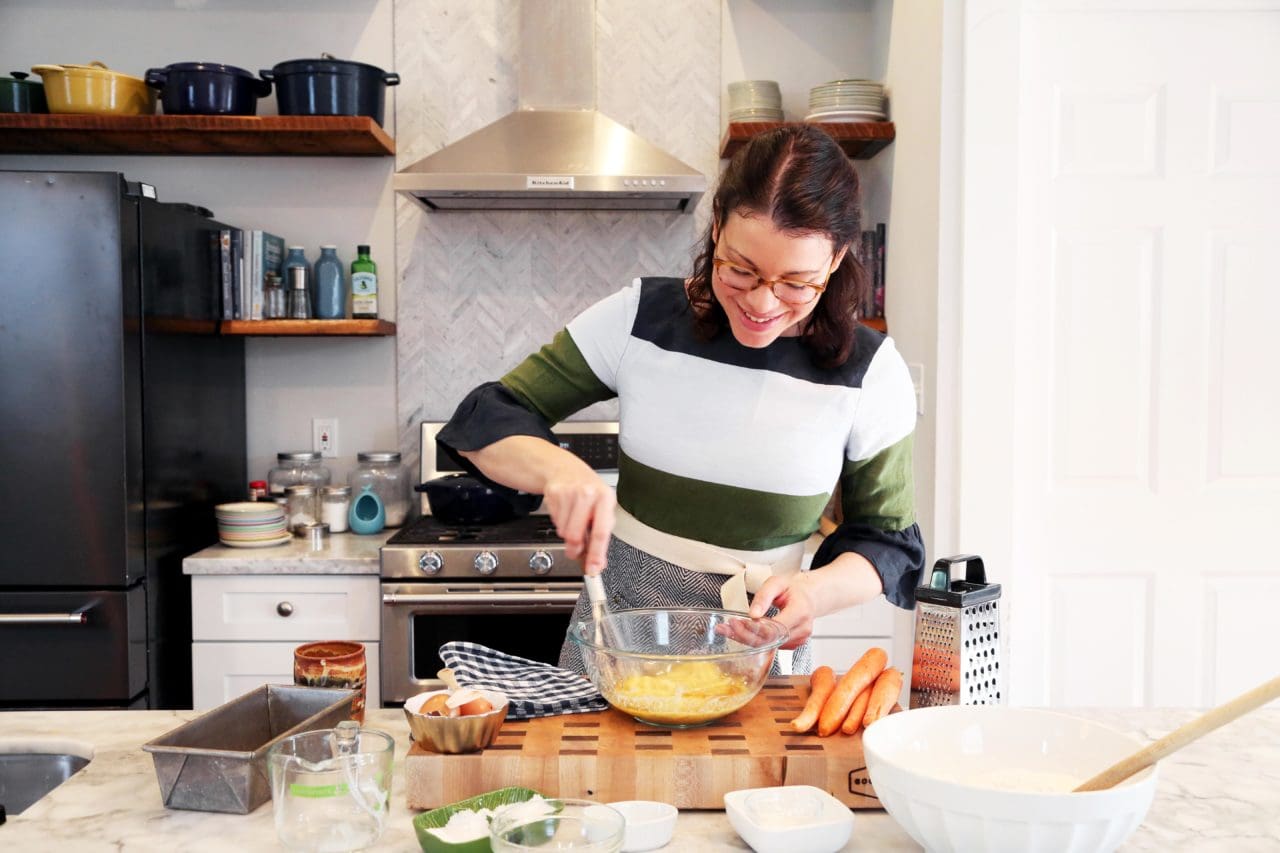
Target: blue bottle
x,y
367,514
331,286
297,257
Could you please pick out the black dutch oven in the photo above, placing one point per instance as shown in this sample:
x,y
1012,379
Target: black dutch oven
x,y
20,95
207,88
330,87
463,500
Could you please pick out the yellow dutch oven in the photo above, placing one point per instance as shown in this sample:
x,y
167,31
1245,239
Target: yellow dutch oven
x,y
95,89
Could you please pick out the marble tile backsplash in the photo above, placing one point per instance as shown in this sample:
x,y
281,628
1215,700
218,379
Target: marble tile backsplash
x,y
478,291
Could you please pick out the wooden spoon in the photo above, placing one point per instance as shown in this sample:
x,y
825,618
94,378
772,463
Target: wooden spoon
x,y
1183,735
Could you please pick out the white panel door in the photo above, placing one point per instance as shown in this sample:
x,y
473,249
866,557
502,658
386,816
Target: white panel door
x,y
1140,470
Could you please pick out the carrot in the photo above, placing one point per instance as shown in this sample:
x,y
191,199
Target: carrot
x,y
883,695
853,721
821,683
847,689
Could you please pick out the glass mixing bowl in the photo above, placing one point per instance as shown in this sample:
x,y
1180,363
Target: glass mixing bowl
x,y
678,667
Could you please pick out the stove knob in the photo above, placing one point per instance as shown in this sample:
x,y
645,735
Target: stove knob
x,y
431,563
541,562
486,563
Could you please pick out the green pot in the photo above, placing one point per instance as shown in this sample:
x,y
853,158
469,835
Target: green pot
x,y
20,95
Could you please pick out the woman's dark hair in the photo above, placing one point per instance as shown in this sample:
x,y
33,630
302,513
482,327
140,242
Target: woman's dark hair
x,y
800,179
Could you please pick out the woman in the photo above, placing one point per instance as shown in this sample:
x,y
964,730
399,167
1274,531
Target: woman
x,y
746,392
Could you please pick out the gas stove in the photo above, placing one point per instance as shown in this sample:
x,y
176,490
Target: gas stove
x,y
522,549
519,549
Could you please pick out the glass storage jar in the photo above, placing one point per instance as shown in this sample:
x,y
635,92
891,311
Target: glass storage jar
x,y
303,508
297,468
381,469
335,503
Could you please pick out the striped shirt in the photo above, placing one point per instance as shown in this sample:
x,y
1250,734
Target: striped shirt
x,y
726,444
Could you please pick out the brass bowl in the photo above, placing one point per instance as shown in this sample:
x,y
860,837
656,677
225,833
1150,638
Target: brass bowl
x,y
453,735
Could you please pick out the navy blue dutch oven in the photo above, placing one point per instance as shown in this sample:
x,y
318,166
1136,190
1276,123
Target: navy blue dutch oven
x,y
330,87
207,88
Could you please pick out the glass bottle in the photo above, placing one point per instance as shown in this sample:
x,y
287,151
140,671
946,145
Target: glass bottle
x,y
364,286
335,502
299,307
331,286
297,257
274,305
389,480
303,507
297,467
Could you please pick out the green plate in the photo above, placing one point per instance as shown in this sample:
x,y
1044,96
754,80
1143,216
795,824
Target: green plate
x,y
437,818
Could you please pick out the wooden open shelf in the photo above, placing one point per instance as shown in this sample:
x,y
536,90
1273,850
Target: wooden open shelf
x,y
316,136
877,323
312,328
860,140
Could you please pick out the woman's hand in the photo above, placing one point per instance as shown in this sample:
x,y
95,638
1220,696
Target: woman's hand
x,y
795,599
582,507
846,581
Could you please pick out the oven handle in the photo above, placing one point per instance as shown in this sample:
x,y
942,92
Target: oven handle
x,y
76,618
494,598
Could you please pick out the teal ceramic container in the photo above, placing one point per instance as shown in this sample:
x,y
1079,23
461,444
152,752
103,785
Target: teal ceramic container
x,y
367,514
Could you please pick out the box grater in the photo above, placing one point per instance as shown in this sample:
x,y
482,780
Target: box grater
x,y
956,660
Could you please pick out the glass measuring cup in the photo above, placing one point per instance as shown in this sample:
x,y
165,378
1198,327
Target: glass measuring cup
x,y
330,789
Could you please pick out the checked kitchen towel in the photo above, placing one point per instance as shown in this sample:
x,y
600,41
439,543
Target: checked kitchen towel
x,y
535,689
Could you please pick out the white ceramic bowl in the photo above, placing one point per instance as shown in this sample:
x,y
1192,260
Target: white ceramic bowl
x,y
947,775
650,824
789,819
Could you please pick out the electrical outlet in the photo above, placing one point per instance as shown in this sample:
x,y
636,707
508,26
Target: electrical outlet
x,y
324,436
917,382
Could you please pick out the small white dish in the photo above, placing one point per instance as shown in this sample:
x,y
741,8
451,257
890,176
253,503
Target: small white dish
x,y
650,824
789,818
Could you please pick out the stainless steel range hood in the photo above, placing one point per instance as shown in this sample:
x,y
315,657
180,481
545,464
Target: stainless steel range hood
x,y
556,152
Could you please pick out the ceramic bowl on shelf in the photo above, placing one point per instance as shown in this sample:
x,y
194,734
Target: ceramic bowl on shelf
x,y
789,818
989,777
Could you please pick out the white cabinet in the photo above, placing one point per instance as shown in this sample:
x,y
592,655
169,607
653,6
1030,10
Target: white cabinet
x,y
840,639
244,628
223,671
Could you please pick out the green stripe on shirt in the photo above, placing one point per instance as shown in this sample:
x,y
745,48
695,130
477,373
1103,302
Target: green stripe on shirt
x,y
728,516
556,381
880,491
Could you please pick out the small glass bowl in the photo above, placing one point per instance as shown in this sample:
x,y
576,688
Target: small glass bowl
x,y
579,825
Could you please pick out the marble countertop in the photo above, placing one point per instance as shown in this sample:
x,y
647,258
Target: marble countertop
x,y
345,554
1222,793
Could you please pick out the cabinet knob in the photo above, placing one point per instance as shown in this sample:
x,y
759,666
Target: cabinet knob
x,y
284,608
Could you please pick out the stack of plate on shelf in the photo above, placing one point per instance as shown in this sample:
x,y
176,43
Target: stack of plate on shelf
x,y
755,100
251,524
847,100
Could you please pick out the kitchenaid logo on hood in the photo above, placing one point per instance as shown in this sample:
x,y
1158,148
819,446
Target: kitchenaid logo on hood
x,y
548,182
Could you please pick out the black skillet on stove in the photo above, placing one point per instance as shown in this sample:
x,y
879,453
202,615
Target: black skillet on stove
x,y
461,499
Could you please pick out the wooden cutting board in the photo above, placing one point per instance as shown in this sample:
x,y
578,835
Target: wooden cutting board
x,y
607,756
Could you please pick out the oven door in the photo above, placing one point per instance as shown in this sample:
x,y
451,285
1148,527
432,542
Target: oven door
x,y
525,619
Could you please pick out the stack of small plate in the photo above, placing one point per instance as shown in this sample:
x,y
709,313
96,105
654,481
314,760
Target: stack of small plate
x,y
251,524
847,100
755,100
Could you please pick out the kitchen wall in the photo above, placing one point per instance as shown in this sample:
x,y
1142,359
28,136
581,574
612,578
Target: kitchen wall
x,y
481,290
306,200
478,291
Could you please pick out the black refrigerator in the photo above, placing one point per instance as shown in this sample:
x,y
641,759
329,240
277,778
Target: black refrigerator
x,y
122,424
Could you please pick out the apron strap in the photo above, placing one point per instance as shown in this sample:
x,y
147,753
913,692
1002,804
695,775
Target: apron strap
x,y
746,570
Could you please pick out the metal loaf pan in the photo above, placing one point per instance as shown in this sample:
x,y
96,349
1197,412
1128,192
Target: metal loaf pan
x,y
218,761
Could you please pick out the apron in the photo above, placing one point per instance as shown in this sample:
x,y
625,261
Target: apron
x,y
635,578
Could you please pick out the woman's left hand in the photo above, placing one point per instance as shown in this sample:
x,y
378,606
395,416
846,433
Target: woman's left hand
x,y
794,598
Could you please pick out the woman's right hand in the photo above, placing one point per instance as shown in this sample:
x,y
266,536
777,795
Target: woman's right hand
x,y
580,503
582,507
